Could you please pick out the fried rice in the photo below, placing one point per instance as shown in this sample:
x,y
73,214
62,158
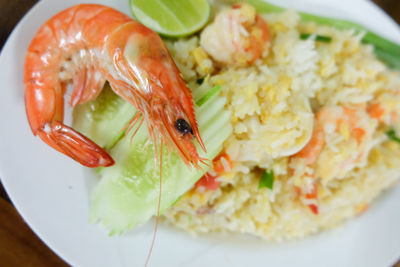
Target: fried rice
x,y
275,104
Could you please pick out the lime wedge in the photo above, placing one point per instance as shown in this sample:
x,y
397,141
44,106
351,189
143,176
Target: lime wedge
x,y
173,18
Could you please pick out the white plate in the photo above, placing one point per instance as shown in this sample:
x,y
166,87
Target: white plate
x,y
49,189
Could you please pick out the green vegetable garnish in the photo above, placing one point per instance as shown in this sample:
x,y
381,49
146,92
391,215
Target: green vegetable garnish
x,y
319,38
392,135
127,193
267,180
385,50
213,91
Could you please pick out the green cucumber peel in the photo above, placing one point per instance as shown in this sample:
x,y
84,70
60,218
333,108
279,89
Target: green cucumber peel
x,y
318,38
212,92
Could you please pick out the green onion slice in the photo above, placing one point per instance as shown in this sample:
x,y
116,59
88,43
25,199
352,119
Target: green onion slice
x,y
267,180
392,135
318,38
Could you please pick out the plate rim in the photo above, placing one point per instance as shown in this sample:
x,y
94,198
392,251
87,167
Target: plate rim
x,y
14,201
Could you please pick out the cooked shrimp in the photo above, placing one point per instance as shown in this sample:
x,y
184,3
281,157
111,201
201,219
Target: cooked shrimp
x,y
385,109
82,47
341,140
238,36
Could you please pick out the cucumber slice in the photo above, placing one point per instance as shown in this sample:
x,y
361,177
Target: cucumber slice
x,y
127,194
206,112
104,118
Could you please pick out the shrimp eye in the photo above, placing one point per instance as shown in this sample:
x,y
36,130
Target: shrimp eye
x,y
183,126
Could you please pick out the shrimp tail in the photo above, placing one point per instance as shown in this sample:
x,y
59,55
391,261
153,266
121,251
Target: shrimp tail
x,y
75,145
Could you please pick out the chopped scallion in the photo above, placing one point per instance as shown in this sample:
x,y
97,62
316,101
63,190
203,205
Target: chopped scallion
x,y
392,135
267,180
318,38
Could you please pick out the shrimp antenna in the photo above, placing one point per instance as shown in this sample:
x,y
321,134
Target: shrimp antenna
x,y
128,127
137,129
205,161
158,210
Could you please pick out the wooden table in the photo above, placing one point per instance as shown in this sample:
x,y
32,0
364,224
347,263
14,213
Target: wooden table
x,y
19,246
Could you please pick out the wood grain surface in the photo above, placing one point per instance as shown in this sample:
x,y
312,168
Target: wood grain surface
x,y
19,246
